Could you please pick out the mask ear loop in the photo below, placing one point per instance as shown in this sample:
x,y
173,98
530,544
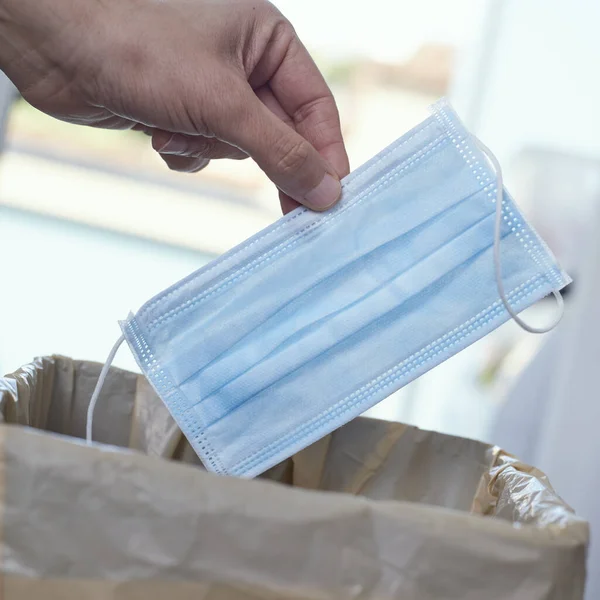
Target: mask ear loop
x,y
98,389
497,262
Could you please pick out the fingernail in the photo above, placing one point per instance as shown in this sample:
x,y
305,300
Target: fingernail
x,y
326,194
177,144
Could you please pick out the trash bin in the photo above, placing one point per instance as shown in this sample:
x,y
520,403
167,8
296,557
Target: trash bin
x,y
375,510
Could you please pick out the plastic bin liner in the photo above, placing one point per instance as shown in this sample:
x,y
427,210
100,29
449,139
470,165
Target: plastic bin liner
x,y
375,510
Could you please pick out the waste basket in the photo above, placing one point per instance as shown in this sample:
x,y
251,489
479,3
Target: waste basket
x,y
375,510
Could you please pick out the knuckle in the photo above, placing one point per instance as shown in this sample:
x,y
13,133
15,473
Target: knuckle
x,y
283,30
282,38
293,157
322,108
201,149
273,31
321,116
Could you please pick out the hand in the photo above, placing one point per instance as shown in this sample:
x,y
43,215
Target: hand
x,y
206,78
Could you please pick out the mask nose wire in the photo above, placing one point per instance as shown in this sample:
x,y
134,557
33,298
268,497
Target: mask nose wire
x,y
98,389
497,261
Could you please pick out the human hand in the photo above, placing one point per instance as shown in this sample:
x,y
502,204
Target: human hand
x,y
206,78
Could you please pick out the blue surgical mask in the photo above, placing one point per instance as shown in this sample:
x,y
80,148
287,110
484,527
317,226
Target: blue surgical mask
x,y
322,315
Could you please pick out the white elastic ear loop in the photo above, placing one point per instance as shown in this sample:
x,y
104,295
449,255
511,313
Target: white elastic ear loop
x,y
98,389
497,262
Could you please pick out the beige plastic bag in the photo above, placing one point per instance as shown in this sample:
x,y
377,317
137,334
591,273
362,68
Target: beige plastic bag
x,y
375,510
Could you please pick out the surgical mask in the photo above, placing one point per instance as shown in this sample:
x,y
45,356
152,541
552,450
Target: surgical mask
x,y
322,315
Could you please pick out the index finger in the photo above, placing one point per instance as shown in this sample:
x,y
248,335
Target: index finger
x,y
303,93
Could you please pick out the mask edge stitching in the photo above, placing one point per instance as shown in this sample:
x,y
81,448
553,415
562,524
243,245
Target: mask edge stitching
x,y
159,378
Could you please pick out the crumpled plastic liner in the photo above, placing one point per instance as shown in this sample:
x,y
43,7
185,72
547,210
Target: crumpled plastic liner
x,y
375,510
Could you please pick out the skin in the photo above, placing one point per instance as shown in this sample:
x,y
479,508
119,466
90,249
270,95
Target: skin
x,y
207,79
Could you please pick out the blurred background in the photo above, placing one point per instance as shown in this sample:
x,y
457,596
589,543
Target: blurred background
x,y
92,223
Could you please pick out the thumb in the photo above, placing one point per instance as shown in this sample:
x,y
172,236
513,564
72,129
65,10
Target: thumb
x,y
289,160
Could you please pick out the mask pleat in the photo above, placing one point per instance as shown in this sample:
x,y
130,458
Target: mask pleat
x,y
346,242
340,291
